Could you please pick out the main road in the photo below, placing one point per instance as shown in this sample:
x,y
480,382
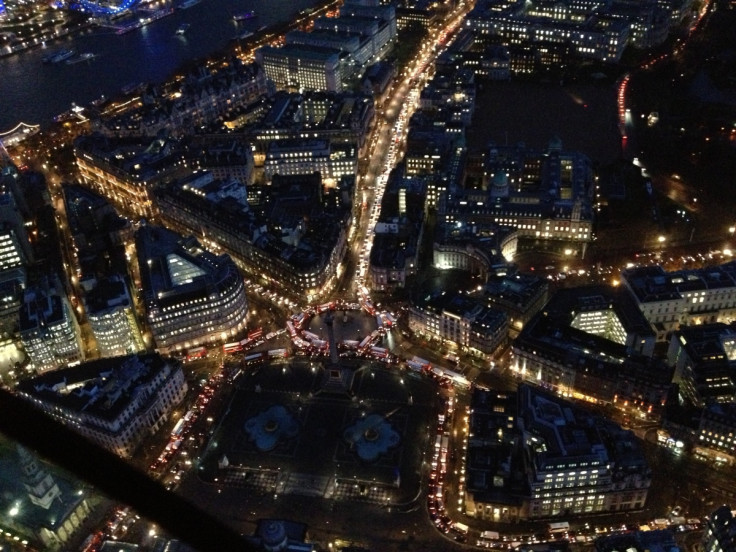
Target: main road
x,y
384,147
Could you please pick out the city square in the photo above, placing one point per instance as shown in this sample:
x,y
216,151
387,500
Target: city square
x,y
293,427
371,276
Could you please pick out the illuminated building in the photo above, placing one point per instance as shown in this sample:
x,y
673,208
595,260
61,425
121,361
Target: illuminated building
x,y
359,48
704,358
405,16
373,21
684,297
593,343
124,170
304,67
576,464
112,318
201,99
717,431
720,532
49,329
480,253
492,491
462,321
520,296
42,508
290,157
454,91
328,58
15,252
295,237
594,37
115,402
12,276
544,195
226,160
570,461
191,295
343,118
98,234
398,232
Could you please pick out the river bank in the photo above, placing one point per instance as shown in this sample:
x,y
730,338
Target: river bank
x,y
34,92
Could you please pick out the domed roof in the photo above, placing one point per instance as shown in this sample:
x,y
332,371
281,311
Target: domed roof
x,y
500,180
555,144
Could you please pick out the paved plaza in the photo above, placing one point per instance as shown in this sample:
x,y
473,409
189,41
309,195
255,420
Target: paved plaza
x,y
298,427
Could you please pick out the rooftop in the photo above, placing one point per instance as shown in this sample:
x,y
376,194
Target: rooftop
x,y
100,388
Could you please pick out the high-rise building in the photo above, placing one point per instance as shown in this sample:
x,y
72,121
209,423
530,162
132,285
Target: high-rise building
x,y
720,533
112,317
15,254
12,277
49,330
191,295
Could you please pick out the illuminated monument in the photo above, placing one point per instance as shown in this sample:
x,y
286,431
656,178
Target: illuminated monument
x,y
337,378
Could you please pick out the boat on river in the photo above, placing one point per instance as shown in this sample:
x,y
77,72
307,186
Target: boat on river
x,y
60,55
84,56
244,16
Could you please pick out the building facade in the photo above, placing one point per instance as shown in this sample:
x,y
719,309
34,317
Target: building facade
x,y
575,466
684,297
125,171
289,157
112,318
460,322
49,329
704,360
299,255
191,295
720,532
533,455
114,402
304,67
593,343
